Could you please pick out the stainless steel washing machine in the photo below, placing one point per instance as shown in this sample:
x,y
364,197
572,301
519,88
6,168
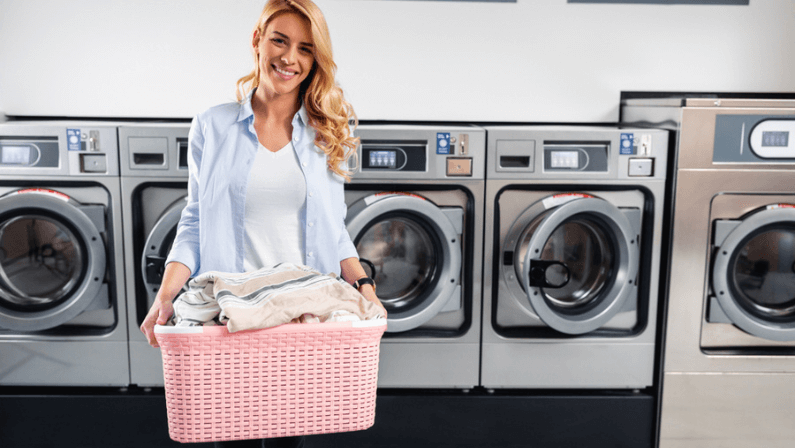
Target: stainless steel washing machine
x,y
729,370
154,180
415,214
62,307
572,253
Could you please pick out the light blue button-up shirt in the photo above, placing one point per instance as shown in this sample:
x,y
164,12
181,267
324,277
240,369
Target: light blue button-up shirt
x,y
210,234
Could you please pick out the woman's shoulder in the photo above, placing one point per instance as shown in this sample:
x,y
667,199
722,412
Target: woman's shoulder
x,y
221,114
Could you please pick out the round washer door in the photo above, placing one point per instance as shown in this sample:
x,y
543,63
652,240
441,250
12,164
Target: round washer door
x,y
412,250
577,262
52,260
753,276
158,245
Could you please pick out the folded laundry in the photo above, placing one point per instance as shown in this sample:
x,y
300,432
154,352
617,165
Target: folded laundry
x,y
269,297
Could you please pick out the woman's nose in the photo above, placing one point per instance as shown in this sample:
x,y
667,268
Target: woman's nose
x,y
289,55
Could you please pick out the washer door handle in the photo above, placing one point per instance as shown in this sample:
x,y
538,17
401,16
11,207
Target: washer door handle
x,y
370,266
155,266
538,273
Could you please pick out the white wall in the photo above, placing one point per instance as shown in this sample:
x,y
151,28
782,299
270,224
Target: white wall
x,y
535,60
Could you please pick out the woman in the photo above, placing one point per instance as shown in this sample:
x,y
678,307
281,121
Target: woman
x,y
267,172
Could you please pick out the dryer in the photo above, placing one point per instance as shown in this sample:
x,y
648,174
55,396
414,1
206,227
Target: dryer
x,y
729,368
415,214
572,253
154,185
62,307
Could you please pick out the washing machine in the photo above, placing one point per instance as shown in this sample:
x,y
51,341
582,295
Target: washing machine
x,y
729,369
62,307
154,185
415,214
572,255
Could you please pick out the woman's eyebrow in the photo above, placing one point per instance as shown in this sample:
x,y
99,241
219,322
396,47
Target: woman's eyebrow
x,y
308,44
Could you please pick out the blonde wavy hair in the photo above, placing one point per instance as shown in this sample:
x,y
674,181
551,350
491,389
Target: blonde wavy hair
x,y
328,112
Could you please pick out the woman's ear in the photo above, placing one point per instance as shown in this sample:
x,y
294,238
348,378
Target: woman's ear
x,y
255,41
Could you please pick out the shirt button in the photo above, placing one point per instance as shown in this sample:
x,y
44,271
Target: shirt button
x,y
304,164
311,224
310,254
295,139
310,194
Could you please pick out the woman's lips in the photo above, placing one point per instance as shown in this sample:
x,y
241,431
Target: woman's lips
x,y
284,73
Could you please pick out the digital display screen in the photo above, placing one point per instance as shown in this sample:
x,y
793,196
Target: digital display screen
x,y
778,138
383,159
15,155
564,159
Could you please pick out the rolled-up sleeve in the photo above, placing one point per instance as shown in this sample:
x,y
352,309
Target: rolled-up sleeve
x,y
345,247
185,248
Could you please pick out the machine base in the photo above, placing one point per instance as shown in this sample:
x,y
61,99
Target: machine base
x,y
135,417
727,410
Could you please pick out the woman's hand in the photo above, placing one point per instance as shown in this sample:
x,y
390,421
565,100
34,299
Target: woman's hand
x,y
175,275
160,312
369,293
351,270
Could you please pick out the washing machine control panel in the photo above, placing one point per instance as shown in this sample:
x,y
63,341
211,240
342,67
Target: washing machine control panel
x,y
393,156
58,149
576,152
40,152
754,139
403,152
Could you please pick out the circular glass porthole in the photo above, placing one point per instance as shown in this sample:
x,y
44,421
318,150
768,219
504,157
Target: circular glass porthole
x,y
52,259
753,275
41,262
404,255
575,265
576,261
762,273
413,252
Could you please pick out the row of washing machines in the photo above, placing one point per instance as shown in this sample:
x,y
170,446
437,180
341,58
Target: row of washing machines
x,y
508,257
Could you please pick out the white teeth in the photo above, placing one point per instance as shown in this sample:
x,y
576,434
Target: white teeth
x,y
284,72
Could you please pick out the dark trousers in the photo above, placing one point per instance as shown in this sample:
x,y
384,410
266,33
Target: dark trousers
x,y
278,442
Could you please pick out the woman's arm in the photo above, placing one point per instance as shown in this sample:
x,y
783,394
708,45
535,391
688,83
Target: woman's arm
x,y
175,275
183,259
351,271
185,248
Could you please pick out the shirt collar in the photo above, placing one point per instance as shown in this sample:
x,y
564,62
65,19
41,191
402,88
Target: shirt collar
x,y
247,112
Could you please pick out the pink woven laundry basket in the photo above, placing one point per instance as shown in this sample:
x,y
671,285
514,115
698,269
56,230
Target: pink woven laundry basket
x,y
289,380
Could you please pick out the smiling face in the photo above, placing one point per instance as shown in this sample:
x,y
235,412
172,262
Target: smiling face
x,y
285,54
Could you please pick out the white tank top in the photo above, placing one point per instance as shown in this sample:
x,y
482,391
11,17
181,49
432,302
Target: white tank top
x,y
275,203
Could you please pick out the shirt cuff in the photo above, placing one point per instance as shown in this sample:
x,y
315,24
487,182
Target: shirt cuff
x,y
186,257
348,251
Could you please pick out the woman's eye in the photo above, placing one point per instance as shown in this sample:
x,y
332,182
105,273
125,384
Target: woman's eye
x,y
306,50
277,40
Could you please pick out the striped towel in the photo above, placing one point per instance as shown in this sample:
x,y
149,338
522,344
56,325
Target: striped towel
x,y
269,297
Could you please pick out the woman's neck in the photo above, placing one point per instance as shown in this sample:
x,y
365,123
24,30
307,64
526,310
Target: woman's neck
x,y
273,107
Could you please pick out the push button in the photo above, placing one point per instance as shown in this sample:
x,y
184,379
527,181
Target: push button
x,y
641,167
459,166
